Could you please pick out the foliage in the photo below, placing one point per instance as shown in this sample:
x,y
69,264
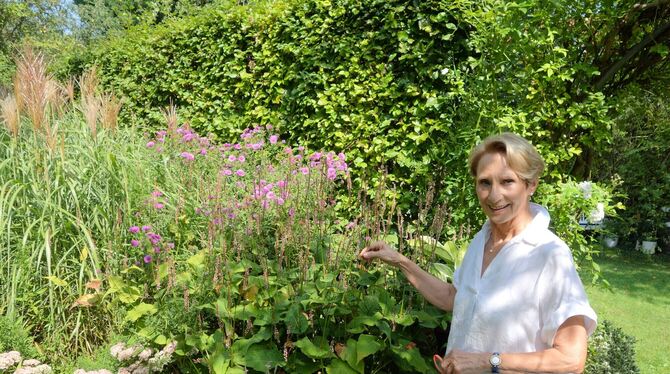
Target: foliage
x,y
641,138
572,207
611,351
273,282
13,337
410,87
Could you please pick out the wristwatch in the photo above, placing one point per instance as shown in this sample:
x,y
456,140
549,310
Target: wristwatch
x,y
495,362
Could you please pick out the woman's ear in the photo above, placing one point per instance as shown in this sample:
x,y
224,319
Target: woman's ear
x,y
532,186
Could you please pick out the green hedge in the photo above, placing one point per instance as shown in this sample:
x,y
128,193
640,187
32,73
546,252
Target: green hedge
x,y
408,87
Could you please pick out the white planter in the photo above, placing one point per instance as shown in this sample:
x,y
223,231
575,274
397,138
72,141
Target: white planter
x,y
610,241
648,247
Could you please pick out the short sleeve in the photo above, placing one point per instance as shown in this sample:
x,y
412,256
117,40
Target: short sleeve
x,y
562,295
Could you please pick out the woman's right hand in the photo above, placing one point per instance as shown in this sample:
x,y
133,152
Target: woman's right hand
x,y
382,251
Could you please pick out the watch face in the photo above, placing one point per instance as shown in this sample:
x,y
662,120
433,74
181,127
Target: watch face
x,y
495,360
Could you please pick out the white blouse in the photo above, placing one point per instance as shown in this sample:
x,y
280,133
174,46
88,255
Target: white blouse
x,y
529,289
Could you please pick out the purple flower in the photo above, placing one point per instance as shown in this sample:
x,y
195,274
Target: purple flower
x,y
316,156
151,144
291,212
273,139
134,229
203,151
237,146
232,158
187,137
159,206
240,173
135,243
146,228
271,195
156,193
187,156
281,184
157,250
147,259
304,170
226,172
280,201
332,174
241,158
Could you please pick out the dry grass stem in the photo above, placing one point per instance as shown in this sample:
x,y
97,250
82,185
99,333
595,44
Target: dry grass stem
x,y
110,106
35,89
69,90
170,115
88,83
9,111
90,107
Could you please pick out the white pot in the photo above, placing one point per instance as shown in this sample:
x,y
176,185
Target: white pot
x,y
648,247
611,241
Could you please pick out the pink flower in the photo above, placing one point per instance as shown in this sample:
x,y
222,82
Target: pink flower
x,y
187,156
304,170
151,144
241,158
156,193
271,195
232,158
203,151
291,212
281,184
332,174
237,146
280,201
159,206
170,245
135,243
134,229
316,156
146,228
226,172
240,173
273,139
147,259
157,250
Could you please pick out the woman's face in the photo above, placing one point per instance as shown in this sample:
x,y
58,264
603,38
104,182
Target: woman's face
x,y
502,194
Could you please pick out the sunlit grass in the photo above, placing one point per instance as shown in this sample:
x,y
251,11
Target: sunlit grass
x,y
639,303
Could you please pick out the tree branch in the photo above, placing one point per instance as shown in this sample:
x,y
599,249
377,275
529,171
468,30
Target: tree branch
x,y
630,54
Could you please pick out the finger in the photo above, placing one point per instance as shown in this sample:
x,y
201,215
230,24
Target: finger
x,y
439,365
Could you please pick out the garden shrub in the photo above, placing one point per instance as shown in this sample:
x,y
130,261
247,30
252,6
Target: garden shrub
x,y
611,351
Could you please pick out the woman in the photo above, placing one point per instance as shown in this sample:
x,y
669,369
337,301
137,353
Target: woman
x,y
518,304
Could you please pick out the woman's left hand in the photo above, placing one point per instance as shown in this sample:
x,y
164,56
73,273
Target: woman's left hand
x,y
460,362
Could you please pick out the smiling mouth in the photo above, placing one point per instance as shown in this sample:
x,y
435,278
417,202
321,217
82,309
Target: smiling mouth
x,y
496,209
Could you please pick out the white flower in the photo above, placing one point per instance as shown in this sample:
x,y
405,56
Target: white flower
x,y
444,71
31,362
145,354
597,214
116,349
586,188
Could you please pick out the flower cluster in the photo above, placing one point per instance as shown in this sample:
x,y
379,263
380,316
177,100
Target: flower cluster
x,y
144,236
32,366
145,360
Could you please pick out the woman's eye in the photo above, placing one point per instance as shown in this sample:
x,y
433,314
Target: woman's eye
x,y
484,183
508,181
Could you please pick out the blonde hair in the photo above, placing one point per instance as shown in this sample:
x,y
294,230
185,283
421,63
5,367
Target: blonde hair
x,y
521,156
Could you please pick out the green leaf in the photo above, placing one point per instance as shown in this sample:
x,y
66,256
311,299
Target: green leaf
x,y
197,261
56,281
338,366
261,357
367,345
318,350
140,310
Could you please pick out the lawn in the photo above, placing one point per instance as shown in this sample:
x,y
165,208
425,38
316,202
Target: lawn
x,y
639,303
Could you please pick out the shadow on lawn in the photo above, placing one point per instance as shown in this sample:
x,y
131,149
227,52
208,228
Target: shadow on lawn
x,y
640,276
